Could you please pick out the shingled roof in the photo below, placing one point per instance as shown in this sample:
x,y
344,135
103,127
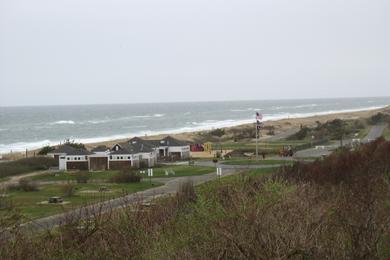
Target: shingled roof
x,y
69,150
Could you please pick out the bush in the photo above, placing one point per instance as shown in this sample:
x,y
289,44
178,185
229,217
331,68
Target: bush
x,y
73,144
26,184
68,189
219,132
300,135
126,176
26,165
82,177
45,150
379,118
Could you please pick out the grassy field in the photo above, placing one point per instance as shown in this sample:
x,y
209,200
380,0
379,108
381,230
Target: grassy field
x,y
29,203
244,161
180,170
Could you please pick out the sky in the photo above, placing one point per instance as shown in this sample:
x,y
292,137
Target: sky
x,y
126,51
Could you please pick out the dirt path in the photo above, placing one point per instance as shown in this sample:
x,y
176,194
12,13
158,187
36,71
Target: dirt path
x,y
15,179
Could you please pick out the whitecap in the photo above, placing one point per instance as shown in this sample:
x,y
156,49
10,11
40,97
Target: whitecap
x,y
63,122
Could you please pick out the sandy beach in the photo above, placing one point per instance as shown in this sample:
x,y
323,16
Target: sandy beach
x,y
280,126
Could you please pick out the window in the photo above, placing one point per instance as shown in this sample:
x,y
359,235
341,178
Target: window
x,y
121,157
110,157
128,157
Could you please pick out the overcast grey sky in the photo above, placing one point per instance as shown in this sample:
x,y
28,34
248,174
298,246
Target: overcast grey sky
x,y
124,51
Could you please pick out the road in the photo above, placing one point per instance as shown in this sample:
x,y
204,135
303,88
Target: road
x,y
375,132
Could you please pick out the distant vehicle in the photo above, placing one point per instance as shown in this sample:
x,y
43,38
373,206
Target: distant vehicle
x,y
55,200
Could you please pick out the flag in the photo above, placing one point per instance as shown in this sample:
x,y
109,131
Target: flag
x,y
259,116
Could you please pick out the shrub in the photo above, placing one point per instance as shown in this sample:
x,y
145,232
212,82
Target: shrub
x,y
73,144
219,132
26,165
26,184
126,176
82,177
45,150
300,135
68,189
379,118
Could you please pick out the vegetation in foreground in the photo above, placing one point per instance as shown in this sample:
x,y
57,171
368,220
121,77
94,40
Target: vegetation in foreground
x,y
337,208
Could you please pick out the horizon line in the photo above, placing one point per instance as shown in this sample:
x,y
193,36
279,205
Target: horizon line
x,y
195,101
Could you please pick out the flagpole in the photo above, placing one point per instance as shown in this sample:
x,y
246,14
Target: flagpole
x,y
257,142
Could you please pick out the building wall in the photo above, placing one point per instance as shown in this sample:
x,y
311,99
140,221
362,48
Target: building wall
x,y
77,165
98,163
119,165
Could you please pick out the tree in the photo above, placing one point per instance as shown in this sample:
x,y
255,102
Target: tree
x,y
73,144
45,150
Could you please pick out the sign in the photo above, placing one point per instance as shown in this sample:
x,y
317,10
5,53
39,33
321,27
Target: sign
x,y
150,172
219,171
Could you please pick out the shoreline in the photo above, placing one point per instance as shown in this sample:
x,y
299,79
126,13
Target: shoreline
x,y
280,124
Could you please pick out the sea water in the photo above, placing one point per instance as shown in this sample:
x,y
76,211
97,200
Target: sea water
x,y
24,128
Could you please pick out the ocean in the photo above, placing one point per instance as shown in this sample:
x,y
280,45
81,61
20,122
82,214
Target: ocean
x,y
24,128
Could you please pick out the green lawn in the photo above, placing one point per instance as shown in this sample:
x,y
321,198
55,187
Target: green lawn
x,y
179,170
28,203
255,162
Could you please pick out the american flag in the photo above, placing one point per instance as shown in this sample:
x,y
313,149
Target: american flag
x,y
259,116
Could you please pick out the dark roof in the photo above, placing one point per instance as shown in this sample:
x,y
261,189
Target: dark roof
x,y
69,150
101,148
167,141
133,148
170,141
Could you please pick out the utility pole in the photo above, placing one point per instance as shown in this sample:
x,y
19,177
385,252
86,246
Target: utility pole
x,y
257,141
258,125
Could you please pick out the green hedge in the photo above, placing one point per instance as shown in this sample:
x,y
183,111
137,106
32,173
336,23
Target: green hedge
x,y
26,165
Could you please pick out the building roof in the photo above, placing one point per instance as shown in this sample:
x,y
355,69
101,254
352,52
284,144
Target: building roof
x,y
133,147
170,141
69,150
100,148
166,141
